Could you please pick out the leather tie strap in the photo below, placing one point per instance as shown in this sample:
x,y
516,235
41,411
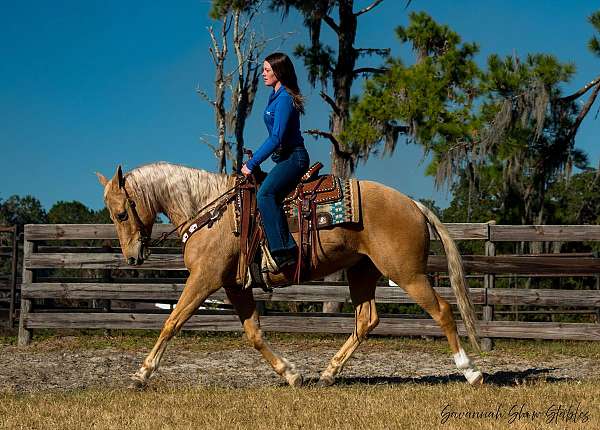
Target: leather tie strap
x,y
247,228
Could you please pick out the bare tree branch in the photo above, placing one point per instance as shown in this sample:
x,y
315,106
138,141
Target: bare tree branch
x,y
365,70
331,23
226,25
584,111
336,145
224,31
259,48
331,103
580,92
368,8
212,54
215,47
205,96
212,147
249,18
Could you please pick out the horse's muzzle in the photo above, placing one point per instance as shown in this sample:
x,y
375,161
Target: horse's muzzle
x,y
139,260
132,261
143,252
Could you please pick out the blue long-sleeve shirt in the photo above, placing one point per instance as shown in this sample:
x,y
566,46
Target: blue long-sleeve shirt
x,y
283,123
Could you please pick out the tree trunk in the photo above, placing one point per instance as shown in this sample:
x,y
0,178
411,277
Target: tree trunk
x,y
343,77
219,54
220,112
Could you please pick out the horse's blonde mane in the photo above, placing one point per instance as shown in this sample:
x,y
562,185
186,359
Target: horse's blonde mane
x,y
183,189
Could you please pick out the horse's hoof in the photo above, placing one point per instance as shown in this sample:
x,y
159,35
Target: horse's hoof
x,y
137,384
474,377
295,380
326,381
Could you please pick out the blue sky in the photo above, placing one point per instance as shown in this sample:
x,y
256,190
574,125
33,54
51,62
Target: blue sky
x,y
87,85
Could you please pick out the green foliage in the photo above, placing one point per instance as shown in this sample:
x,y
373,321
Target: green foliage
x,y
427,37
430,204
75,212
576,200
318,60
70,213
220,8
431,100
594,43
22,210
500,137
525,145
511,77
103,217
29,210
483,209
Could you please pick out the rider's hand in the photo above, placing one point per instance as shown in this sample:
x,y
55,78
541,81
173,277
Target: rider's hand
x,y
245,171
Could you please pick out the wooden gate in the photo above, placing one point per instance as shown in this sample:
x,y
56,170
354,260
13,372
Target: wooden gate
x,y
9,260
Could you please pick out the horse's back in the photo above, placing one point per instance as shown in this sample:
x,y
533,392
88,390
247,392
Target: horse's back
x,y
380,202
394,227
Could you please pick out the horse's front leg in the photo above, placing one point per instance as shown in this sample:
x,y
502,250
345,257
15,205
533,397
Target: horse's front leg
x,y
195,292
243,302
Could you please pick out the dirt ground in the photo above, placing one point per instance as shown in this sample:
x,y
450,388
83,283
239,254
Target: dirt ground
x,y
58,363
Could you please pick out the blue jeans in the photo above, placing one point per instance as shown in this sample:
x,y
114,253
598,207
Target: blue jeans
x,y
280,181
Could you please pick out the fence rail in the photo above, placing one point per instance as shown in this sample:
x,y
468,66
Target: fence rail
x,y
310,293
512,264
39,254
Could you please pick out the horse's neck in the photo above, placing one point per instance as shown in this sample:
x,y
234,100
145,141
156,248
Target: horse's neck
x,y
180,198
176,218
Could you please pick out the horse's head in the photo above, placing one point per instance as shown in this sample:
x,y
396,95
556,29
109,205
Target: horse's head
x,y
131,218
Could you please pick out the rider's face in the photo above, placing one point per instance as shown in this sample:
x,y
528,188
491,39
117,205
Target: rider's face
x,y
268,75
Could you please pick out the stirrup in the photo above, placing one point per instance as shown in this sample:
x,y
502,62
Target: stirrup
x,y
278,268
268,264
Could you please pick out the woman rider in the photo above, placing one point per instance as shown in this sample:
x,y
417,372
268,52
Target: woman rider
x,y
285,145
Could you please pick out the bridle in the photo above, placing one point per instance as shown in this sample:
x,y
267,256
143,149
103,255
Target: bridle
x,y
144,233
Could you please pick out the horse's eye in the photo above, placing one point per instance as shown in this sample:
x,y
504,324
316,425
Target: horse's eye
x,y
122,216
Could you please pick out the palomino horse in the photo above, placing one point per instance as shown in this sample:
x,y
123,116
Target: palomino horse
x,y
392,240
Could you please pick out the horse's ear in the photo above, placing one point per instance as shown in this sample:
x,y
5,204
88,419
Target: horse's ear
x,y
102,179
120,179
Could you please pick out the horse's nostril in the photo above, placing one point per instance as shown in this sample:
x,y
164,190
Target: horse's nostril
x,y
131,261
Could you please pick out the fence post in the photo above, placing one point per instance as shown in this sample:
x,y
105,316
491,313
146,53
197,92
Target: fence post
x,y
24,333
489,281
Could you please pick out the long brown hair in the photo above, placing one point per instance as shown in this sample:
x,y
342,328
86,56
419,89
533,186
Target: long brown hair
x,y
284,71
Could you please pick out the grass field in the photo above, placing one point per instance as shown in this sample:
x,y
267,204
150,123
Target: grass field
x,y
561,405
452,404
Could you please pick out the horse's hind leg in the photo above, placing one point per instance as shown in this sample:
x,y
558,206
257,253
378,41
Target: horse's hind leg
x,y
425,296
362,279
243,302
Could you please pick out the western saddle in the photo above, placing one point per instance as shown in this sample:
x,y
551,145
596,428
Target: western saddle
x,y
255,264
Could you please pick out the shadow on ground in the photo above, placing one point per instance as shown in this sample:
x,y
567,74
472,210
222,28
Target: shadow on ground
x,y
499,379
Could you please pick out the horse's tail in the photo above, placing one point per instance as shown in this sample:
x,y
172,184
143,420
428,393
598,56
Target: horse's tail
x,y
457,275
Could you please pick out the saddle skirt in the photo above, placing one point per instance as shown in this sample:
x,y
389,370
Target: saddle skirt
x,y
318,202
337,202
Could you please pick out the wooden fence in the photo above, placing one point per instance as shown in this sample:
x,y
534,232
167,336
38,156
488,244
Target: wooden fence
x,y
41,253
9,247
